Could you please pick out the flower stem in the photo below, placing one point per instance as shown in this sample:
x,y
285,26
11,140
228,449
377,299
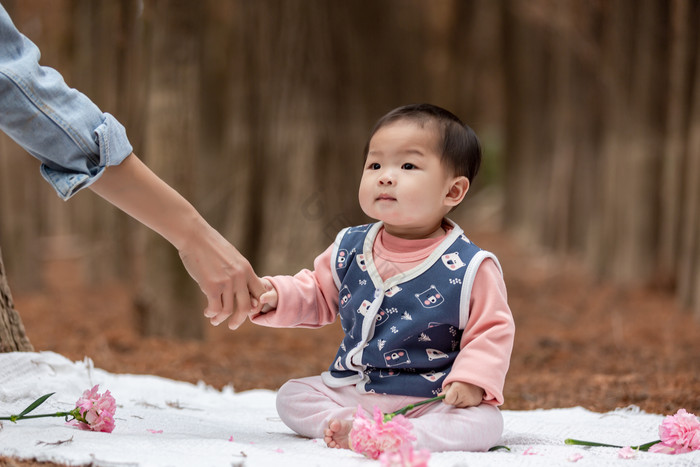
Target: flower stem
x,y
409,407
14,418
578,442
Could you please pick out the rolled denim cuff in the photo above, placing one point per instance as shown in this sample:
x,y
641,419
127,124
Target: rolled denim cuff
x,y
114,147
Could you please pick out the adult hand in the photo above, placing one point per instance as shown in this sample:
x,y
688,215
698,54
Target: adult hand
x,y
223,274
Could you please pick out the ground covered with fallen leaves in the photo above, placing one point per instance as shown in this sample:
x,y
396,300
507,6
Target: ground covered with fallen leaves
x,y
579,342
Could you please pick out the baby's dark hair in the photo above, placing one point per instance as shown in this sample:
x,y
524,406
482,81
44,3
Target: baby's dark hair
x,y
460,148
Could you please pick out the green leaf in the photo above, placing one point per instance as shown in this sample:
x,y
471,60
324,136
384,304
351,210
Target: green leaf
x,y
578,442
35,404
496,448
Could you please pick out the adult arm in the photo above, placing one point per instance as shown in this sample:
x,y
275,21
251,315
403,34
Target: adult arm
x,y
222,273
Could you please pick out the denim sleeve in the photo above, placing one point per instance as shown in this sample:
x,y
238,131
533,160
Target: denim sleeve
x,y
74,140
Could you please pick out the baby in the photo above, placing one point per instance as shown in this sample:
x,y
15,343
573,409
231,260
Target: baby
x,y
423,309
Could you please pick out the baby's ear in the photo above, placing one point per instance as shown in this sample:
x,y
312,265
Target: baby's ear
x,y
458,190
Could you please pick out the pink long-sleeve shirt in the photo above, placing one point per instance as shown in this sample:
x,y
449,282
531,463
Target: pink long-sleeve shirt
x,y
310,299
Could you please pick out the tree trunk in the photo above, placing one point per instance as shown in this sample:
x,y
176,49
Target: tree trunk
x,y
676,139
12,335
557,215
689,263
169,301
527,63
642,151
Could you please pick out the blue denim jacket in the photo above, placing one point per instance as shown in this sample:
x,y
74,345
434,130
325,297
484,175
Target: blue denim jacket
x,y
73,139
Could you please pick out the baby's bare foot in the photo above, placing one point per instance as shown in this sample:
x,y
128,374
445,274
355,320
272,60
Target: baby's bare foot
x,y
337,434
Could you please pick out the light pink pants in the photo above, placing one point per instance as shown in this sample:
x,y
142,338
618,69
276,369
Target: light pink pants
x,y
306,406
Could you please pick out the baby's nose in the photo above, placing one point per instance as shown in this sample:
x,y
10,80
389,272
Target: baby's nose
x,y
386,179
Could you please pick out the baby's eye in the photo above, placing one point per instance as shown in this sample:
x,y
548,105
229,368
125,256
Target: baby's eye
x,y
408,166
374,166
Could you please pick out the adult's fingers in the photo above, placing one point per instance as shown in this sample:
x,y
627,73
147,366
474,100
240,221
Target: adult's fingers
x,y
256,286
220,306
241,310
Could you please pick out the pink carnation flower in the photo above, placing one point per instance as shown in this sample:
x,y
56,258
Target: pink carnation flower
x,y
373,437
405,457
94,411
679,433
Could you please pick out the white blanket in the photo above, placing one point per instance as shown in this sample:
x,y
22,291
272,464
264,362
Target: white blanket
x,y
161,422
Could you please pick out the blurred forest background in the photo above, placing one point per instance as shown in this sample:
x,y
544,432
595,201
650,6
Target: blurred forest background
x,y
257,112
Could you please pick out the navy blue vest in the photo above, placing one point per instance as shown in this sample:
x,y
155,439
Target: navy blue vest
x,y
403,335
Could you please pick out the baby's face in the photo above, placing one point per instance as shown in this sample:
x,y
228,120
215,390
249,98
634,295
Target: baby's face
x,y
404,183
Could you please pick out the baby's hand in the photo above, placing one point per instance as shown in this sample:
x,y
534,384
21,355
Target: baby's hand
x,y
268,299
462,394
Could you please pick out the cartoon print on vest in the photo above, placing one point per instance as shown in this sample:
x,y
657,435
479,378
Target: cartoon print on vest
x,y
396,357
358,229
338,365
433,376
364,307
387,373
392,291
430,298
345,296
381,318
434,354
361,262
341,259
452,261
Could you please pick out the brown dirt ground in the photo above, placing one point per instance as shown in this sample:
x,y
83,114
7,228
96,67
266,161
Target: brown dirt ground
x,y
578,342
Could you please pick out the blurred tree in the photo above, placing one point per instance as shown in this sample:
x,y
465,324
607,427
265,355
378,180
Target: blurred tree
x,y
110,72
170,303
602,146
688,253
